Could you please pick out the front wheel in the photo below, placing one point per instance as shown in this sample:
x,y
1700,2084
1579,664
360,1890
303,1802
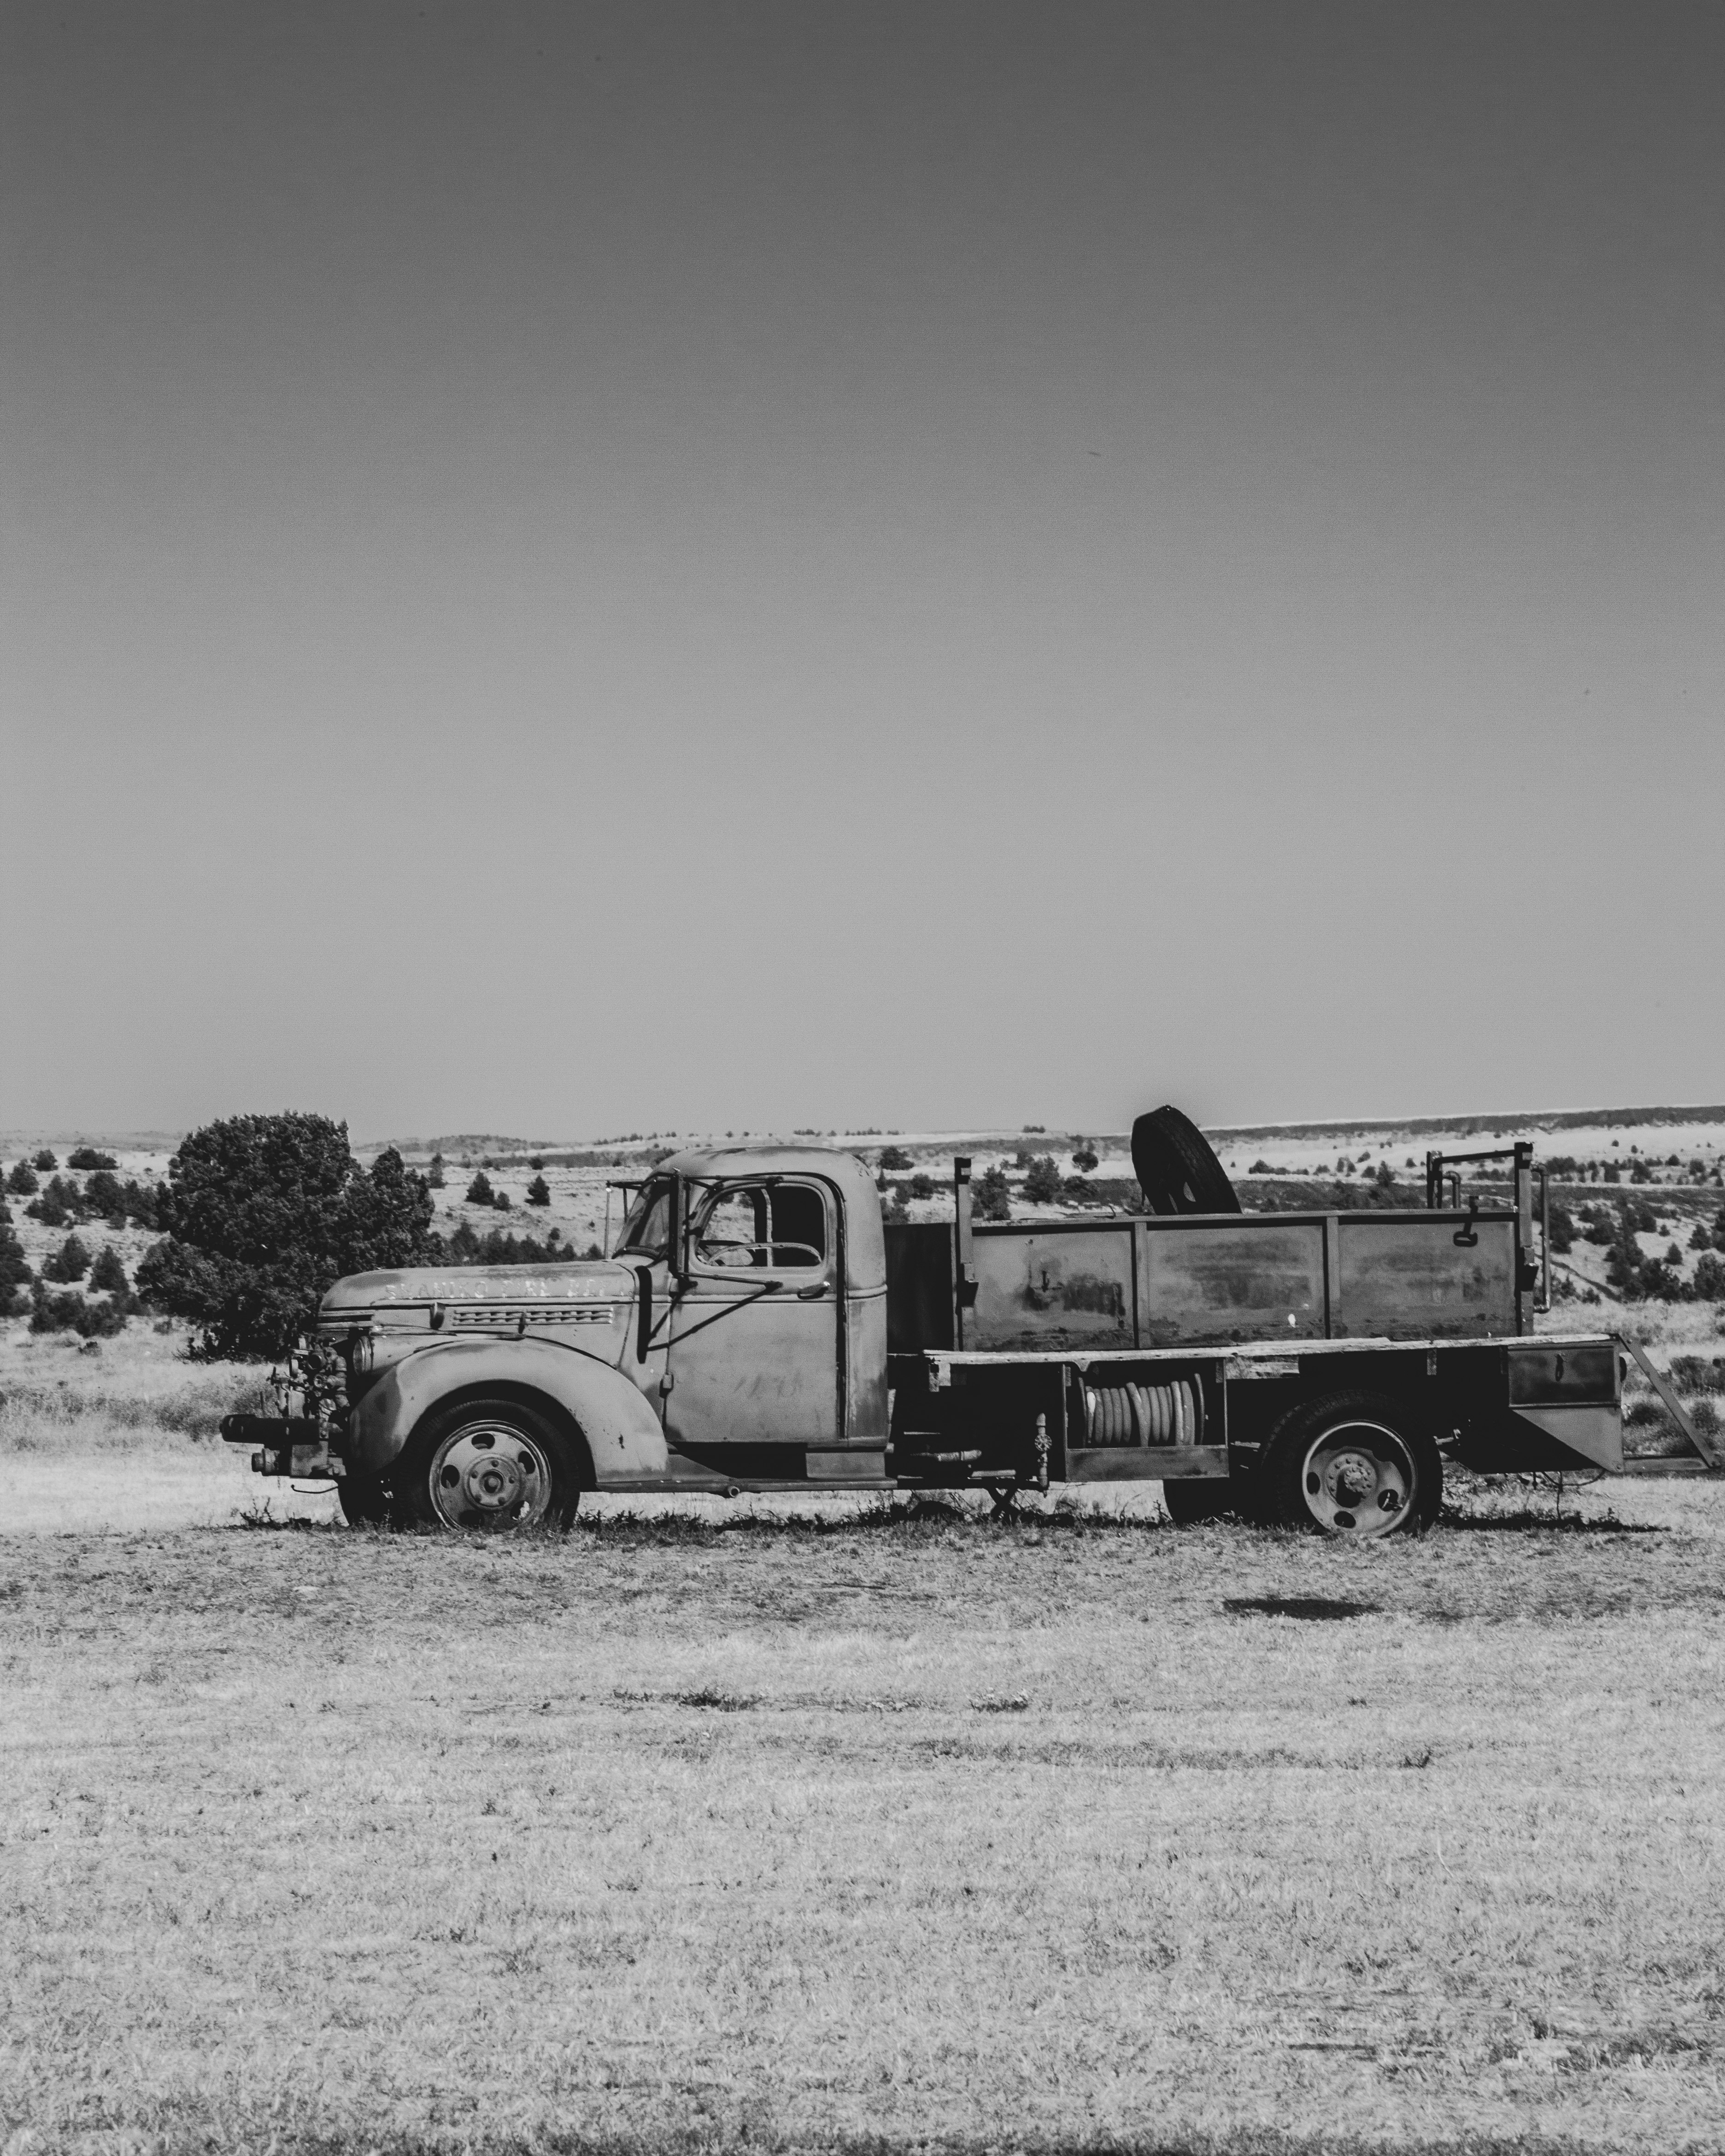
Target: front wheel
x,y
487,1467
1356,1465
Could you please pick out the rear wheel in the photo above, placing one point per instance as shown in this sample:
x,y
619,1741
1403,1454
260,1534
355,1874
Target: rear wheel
x,y
487,1467
1356,1465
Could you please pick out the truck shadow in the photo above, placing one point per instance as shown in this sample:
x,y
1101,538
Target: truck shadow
x,y
1317,1609
1527,1519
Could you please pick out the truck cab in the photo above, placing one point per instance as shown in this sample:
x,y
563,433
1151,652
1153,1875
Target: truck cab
x,y
761,1286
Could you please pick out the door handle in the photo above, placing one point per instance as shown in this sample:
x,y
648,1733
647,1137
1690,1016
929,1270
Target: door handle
x,y
812,1294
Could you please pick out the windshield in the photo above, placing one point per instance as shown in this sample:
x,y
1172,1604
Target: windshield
x,y
646,1226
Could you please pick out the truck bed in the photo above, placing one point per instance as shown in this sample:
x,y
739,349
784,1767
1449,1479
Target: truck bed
x,y
1139,1282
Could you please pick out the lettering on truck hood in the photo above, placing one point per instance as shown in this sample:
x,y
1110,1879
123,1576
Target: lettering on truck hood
x,y
588,1291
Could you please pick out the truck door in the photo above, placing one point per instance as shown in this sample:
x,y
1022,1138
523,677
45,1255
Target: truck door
x,y
754,1322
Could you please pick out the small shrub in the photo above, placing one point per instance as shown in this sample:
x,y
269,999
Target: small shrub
x,y
434,1174
1563,1228
70,1262
48,1210
1699,1238
70,1312
896,1213
538,1192
1042,1184
1085,1159
990,1198
1383,1175
14,1269
87,1156
21,1181
499,1247
921,1186
103,1194
108,1274
1613,1173
1657,1283
143,1204
480,1191
501,1201
895,1158
1709,1281
46,1161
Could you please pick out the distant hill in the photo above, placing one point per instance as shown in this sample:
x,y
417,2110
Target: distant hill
x,y
1550,1119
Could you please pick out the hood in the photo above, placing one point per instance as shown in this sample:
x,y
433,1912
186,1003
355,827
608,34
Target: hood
x,y
363,1295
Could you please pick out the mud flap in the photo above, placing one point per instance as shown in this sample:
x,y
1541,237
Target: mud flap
x,y
1593,1435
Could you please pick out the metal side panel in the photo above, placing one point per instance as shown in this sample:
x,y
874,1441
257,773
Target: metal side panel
x,y
1595,1433
1231,1279
1053,1291
1404,1276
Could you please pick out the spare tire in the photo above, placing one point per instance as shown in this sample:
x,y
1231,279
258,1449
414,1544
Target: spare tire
x,y
1175,1167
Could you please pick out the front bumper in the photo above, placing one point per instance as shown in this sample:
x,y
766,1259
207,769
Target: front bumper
x,y
285,1444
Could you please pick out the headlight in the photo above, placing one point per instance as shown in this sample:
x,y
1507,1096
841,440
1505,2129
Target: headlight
x,y
362,1351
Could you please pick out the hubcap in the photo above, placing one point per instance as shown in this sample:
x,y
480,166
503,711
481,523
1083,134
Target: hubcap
x,y
490,1477
1358,1479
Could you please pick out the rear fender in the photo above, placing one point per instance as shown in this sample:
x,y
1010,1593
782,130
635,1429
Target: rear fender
x,y
622,1435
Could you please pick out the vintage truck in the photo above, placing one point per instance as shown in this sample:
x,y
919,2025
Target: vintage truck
x,y
759,1326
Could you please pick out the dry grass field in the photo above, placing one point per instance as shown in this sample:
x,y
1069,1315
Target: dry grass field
x,y
869,1830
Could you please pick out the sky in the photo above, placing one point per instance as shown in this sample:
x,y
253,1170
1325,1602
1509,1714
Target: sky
x,y
568,568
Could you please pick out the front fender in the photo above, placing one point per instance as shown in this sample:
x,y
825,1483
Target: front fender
x,y
622,1431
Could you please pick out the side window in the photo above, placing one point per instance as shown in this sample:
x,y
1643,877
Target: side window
x,y
733,1229
780,1225
799,1225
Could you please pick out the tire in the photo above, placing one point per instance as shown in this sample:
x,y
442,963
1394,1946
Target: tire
x,y
1191,1502
1176,1167
1354,1464
364,1500
486,1466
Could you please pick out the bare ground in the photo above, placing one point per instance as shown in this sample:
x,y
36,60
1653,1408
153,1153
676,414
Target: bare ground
x,y
876,1831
